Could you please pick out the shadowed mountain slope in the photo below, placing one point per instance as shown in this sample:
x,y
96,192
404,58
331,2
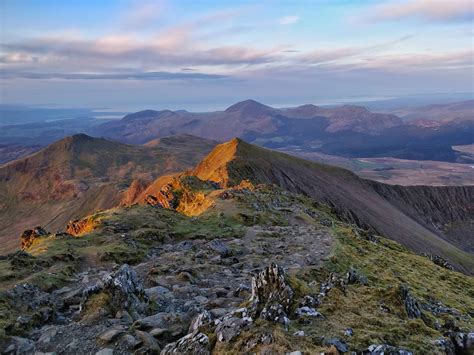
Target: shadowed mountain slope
x,y
417,217
80,174
348,130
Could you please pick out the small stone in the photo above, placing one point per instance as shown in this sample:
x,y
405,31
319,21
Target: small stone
x,y
219,247
201,299
157,332
47,334
299,333
110,334
148,341
124,317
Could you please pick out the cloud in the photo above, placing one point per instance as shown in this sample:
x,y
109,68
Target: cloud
x,y
288,20
174,47
428,10
142,14
12,74
338,54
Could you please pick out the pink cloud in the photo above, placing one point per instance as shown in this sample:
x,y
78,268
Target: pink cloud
x,y
432,10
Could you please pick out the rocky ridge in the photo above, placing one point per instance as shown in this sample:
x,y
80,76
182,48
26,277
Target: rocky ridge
x,y
260,270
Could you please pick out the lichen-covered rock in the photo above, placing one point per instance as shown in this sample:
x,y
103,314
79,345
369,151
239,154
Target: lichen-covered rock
x,y
196,343
384,349
309,301
30,235
200,320
438,260
125,289
354,276
411,304
229,328
307,311
463,342
271,295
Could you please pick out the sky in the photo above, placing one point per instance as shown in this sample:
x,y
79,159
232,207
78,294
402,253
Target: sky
x,y
202,55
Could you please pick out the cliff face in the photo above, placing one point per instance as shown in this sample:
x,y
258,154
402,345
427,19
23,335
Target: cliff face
x,y
446,210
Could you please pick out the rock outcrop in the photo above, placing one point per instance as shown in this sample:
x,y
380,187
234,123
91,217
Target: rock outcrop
x,y
411,304
271,295
125,290
78,227
29,236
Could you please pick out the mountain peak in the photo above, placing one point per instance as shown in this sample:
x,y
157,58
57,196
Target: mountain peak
x,y
250,106
214,166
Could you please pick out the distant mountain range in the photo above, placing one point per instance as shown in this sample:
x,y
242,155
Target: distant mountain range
x,y
419,133
350,131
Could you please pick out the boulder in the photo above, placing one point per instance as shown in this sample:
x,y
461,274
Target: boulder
x,y
149,343
338,344
231,327
219,247
159,320
125,289
27,237
111,334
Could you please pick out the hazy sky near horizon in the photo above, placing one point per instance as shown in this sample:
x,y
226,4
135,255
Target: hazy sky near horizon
x,y
205,54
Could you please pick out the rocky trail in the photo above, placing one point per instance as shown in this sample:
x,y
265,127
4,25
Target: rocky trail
x,y
181,280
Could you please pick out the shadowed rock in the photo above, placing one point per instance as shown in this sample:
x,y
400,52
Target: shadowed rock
x,y
125,289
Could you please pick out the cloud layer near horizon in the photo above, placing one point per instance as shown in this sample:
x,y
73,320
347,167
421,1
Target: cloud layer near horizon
x,y
238,45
